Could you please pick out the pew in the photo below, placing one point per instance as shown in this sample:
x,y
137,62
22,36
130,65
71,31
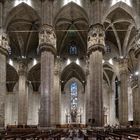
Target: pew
x,y
100,136
115,136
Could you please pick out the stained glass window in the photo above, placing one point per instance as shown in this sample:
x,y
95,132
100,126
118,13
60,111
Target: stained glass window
x,y
74,99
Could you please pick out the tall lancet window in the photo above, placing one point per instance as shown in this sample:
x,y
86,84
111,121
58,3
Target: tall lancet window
x,y
74,100
73,48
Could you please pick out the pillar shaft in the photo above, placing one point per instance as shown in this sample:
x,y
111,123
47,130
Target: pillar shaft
x,y
47,42
3,53
95,49
136,95
22,95
87,96
57,92
1,14
123,98
2,88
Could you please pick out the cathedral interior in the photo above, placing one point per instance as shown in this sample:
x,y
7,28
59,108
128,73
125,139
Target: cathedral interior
x,y
70,63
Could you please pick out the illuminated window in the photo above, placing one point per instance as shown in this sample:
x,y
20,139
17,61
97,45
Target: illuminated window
x,y
74,97
75,1
125,1
73,48
17,2
108,49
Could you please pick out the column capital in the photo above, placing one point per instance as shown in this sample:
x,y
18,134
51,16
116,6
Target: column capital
x,y
22,67
4,45
137,49
123,65
96,38
47,39
134,81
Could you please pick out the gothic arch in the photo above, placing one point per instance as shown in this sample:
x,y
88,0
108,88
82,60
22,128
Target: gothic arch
x,y
12,13
71,17
123,27
126,8
34,77
22,24
11,78
72,70
74,6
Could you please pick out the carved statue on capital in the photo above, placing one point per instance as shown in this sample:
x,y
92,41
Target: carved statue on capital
x,y
138,39
47,35
96,36
4,42
22,68
133,81
137,48
123,65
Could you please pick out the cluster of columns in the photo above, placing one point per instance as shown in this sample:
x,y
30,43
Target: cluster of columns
x,y
96,44
47,50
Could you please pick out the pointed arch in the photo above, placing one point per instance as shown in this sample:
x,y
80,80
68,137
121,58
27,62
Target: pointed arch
x,y
11,78
65,9
71,71
34,77
121,26
15,10
22,24
71,24
126,8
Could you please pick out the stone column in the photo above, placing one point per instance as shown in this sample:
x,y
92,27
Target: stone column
x,y
47,49
87,89
123,97
57,92
3,53
23,94
137,94
1,14
96,45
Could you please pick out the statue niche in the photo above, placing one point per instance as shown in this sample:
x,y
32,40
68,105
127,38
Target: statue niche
x,y
73,115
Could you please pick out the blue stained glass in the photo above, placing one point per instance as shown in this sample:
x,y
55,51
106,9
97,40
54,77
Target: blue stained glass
x,y
74,99
73,50
74,88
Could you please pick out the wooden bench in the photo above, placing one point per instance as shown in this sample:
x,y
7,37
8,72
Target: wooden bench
x,y
28,136
115,136
100,136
